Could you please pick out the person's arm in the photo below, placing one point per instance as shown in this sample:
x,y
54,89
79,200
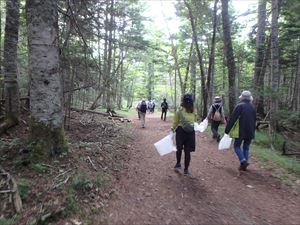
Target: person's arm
x,y
175,121
210,113
233,118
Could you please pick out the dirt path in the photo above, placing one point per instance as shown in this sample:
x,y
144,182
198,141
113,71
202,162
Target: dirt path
x,y
152,193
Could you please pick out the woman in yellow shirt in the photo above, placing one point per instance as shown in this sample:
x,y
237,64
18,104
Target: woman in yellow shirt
x,y
183,123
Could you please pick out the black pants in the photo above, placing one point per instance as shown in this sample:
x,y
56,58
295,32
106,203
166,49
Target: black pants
x,y
163,114
214,128
184,141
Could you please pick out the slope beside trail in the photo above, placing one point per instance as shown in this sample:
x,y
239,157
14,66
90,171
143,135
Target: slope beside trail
x,y
152,193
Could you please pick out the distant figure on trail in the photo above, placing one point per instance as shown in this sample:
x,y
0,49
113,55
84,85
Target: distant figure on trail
x,y
164,108
142,112
216,116
243,116
137,108
183,124
153,106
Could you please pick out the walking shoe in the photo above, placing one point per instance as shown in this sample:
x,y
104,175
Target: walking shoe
x,y
244,165
177,166
186,172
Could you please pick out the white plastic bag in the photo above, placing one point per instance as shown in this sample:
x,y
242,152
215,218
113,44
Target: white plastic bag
x,y
225,142
165,145
202,126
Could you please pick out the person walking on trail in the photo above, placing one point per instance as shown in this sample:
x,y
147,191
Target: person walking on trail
x,y
243,116
164,108
216,116
183,125
142,112
137,108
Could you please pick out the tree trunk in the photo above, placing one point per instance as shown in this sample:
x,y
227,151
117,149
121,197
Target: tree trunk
x,y
258,82
203,86
229,56
274,62
12,97
212,56
296,92
46,106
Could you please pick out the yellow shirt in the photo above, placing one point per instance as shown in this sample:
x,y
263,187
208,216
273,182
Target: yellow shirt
x,y
190,117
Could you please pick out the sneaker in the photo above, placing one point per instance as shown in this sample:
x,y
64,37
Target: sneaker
x,y
186,172
244,165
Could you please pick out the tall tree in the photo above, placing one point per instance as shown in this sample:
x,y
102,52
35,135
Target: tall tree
x,y
274,61
211,62
46,106
200,59
12,98
258,80
229,55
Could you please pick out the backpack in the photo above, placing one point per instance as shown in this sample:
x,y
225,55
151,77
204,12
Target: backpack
x,y
143,107
186,125
164,105
217,116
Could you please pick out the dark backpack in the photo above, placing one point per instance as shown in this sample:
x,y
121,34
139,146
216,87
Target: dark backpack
x,y
164,105
143,107
186,125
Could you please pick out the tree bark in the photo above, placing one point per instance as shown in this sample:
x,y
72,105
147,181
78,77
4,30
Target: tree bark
x,y
12,97
229,56
46,106
258,82
209,82
195,37
274,62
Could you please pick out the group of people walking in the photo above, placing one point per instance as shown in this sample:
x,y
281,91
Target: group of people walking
x,y
143,106
242,119
243,115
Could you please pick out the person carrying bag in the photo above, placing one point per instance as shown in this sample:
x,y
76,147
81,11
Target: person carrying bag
x,y
183,125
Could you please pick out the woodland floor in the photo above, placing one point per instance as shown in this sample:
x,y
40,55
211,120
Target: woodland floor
x,y
113,175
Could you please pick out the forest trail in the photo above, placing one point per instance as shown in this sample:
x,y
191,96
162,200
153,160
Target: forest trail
x,y
152,193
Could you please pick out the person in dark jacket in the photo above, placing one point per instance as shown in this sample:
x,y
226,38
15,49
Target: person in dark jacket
x,y
164,108
216,118
245,112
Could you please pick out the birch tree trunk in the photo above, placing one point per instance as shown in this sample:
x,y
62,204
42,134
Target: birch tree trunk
x,y
12,97
46,106
258,82
229,56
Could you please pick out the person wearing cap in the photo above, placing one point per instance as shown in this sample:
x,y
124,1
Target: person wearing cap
x,y
216,116
164,108
245,112
185,140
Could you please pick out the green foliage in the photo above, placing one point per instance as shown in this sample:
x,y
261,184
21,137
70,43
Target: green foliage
x,y
23,187
39,168
71,202
102,180
11,221
274,157
82,182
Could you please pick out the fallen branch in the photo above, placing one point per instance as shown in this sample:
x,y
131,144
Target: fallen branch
x,y
13,191
61,183
93,165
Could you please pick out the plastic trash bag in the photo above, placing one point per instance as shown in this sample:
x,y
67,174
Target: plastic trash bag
x,y
165,145
202,126
225,142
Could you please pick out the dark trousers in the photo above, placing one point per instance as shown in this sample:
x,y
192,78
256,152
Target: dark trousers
x,y
214,128
187,158
163,114
187,142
